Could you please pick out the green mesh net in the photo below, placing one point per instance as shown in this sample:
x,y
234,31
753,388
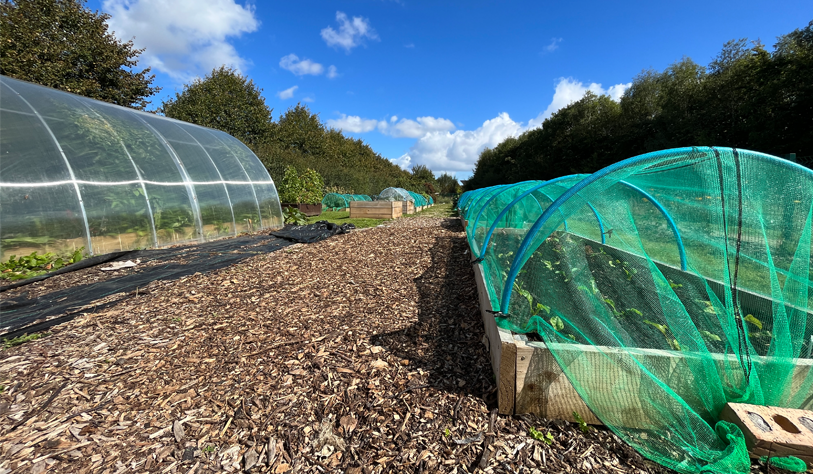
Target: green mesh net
x,y
665,286
336,201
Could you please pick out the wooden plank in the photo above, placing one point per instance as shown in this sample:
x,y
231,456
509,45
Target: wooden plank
x,y
375,209
499,343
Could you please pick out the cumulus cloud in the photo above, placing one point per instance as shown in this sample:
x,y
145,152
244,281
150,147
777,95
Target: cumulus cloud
x,y
569,90
183,38
287,93
332,72
554,45
351,33
402,161
406,128
442,148
300,67
353,124
458,151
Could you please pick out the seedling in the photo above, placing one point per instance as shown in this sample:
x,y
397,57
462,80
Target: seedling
x,y
546,438
582,424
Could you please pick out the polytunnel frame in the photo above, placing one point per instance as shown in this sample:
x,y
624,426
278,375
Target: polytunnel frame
x,y
523,196
574,190
188,183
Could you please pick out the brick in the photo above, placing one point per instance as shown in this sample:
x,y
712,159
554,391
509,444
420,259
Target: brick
x,y
773,431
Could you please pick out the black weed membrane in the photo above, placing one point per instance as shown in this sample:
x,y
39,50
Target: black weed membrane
x,y
307,234
23,314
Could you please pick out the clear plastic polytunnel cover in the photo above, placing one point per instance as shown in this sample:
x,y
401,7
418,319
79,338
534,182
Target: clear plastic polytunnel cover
x,y
666,286
76,172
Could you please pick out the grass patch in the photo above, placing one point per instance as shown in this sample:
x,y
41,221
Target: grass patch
x,y
343,217
16,341
438,210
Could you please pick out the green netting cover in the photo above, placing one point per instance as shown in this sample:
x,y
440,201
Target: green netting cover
x,y
334,201
665,286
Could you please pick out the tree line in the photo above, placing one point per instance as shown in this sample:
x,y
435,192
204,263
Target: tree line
x,y
747,97
64,45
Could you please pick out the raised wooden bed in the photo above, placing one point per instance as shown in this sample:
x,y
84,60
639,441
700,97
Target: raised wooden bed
x,y
376,209
408,207
307,209
530,379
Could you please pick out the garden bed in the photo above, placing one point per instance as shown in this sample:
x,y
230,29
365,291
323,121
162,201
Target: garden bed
x,y
375,209
531,380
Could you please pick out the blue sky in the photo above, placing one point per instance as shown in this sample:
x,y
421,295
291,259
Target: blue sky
x,y
434,82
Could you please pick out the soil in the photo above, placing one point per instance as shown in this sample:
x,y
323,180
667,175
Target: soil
x,y
358,354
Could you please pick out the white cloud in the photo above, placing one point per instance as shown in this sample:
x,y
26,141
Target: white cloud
x,y
183,38
554,45
402,161
308,99
569,90
406,128
287,93
458,151
410,45
300,67
351,32
443,149
332,72
353,124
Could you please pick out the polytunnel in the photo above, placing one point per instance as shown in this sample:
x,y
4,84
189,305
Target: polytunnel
x,y
77,172
394,194
665,286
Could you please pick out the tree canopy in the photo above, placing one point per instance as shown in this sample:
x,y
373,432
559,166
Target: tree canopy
x,y
747,97
224,100
62,44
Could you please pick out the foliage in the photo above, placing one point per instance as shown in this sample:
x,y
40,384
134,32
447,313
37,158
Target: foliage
x,y
16,341
224,100
305,189
294,216
20,268
546,438
447,184
747,97
290,187
583,426
312,187
62,44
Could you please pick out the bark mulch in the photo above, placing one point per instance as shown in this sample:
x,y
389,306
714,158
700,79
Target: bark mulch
x,y
358,354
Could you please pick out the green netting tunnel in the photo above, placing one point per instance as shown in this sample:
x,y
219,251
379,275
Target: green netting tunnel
x,y
665,286
336,201
77,172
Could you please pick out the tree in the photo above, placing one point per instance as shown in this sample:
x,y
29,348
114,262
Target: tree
x,y
224,100
62,44
447,184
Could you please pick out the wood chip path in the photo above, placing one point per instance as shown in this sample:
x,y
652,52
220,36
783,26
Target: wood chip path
x,y
358,354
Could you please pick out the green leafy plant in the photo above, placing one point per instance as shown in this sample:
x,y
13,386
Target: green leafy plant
x,y
20,268
16,341
294,216
546,438
582,424
209,449
305,189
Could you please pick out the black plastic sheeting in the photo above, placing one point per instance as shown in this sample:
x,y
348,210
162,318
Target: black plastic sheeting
x,y
308,234
21,314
